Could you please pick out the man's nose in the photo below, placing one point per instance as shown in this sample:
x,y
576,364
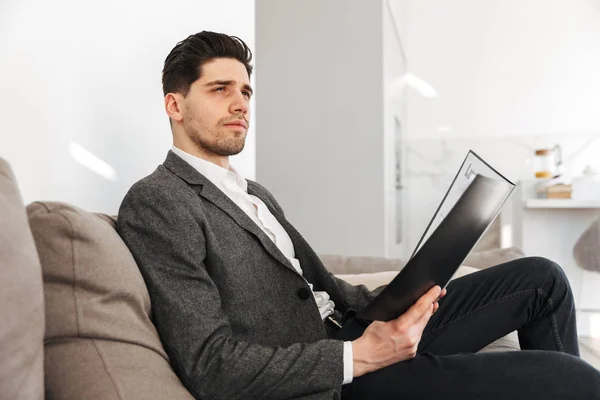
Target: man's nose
x,y
239,104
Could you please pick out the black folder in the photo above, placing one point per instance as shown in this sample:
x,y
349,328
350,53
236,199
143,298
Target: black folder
x,y
447,246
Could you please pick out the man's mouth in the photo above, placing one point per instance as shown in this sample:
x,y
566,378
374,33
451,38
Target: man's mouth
x,y
239,123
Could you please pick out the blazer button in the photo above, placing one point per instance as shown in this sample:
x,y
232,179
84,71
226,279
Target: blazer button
x,y
303,293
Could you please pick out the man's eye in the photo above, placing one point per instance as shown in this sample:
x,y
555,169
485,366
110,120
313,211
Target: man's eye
x,y
247,93
219,89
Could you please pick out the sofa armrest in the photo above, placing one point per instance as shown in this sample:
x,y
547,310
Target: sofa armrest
x,y
376,279
489,258
359,265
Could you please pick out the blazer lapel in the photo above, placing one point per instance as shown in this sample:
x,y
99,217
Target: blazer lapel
x,y
311,263
205,188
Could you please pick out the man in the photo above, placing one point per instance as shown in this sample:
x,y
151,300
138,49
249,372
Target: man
x,y
246,309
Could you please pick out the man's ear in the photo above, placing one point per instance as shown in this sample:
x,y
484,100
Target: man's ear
x,y
173,106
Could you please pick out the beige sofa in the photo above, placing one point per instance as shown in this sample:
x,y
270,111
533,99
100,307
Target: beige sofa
x,y
76,318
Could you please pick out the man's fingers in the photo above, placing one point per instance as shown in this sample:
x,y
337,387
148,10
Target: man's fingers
x,y
422,322
423,304
430,311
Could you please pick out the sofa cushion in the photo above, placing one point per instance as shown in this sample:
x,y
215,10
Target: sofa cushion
x,y
21,299
100,342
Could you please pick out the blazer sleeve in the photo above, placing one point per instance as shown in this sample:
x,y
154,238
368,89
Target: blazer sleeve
x,y
167,241
356,296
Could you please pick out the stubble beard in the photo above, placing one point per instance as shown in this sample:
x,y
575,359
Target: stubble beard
x,y
215,141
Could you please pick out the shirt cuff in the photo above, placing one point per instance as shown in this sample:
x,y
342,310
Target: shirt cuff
x,y
348,363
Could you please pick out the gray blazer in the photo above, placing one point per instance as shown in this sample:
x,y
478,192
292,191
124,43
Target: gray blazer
x,y
236,319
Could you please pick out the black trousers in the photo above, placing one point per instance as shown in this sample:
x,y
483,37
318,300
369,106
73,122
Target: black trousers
x,y
530,295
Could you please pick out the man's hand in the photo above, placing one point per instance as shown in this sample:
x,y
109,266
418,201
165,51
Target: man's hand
x,y
386,343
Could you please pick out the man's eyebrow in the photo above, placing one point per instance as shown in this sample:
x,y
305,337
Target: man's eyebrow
x,y
249,88
228,83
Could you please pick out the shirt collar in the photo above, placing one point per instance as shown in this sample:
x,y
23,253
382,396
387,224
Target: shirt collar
x,y
213,172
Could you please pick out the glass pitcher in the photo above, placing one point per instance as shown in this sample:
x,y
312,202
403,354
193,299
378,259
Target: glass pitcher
x,y
547,162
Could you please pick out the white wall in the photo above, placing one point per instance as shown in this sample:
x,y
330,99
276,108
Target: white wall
x,y
90,73
505,67
512,76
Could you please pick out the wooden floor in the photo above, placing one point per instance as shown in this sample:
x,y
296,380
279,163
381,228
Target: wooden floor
x,y
590,350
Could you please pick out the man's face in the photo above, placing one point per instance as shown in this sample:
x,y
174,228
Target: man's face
x,y
216,110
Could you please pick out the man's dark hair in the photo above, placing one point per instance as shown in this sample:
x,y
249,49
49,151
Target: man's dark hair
x,y
183,65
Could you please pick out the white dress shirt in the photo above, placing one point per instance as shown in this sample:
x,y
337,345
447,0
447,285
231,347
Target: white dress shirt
x,y
235,187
